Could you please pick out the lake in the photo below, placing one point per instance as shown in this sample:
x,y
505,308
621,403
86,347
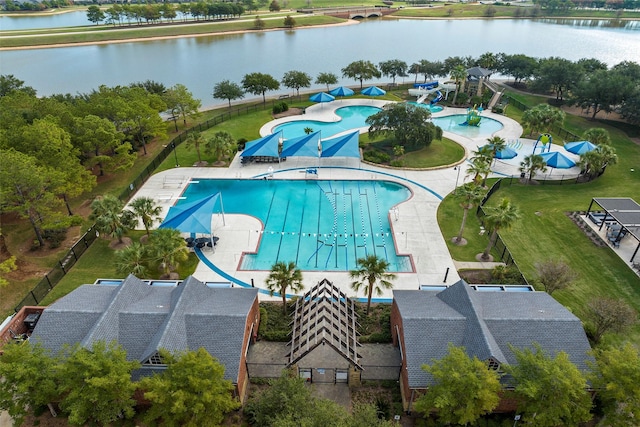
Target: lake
x,y
201,62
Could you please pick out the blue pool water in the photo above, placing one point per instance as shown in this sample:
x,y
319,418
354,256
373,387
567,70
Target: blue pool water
x,y
320,225
352,117
453,124
432,108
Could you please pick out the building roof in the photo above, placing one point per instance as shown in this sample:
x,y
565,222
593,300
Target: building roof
x,y
486,324
325,315
144,319
479,72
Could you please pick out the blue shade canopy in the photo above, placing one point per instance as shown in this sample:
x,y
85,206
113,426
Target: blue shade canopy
x,y
321,97
342,91
373,91
505,153
342,146
579,147
306,145
192,217
557,160
265,146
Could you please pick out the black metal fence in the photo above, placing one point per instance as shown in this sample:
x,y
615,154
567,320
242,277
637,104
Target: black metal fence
x,y
53,277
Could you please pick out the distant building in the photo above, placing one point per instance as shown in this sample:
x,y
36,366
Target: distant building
x,y
424,322
144,318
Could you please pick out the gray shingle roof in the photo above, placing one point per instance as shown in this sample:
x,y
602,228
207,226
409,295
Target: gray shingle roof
x,y
144,319
485,323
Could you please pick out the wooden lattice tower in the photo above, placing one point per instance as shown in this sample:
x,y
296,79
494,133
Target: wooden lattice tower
x,y
324,315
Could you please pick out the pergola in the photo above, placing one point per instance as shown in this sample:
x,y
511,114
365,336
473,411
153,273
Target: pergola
x,y
625,211
325,315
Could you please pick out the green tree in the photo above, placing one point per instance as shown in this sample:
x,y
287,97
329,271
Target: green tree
x,y
195,140
542,117
221,145
110,217
458,75
29,379
407,123
132,260
470,195
169,248
519,66
191,391
296,80
608,315
289,21
488,60
498,218
594,162
554,275
393,68
274,6
361,70
480,164
464,388
95,14
29,190
96,384
146,210
497,144
551,391
559,74
598,136
531,165
284,276
258,24
615,377
259,84
630,108
228,90
9,84
371,274
326,79
180,101
603,90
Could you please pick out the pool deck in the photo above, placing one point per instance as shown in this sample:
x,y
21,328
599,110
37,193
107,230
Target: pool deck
x,y
415,230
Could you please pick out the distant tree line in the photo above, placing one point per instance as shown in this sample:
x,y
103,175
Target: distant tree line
x,y
11,6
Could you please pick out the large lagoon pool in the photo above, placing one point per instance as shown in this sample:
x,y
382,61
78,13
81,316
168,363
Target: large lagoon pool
x,y
352,117
320,225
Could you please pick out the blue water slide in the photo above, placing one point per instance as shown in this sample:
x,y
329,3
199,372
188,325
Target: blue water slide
x,y
438,98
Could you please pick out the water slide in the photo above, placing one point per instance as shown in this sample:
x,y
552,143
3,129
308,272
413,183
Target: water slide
x,y
437,99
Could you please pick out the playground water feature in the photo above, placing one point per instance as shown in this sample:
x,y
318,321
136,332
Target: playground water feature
x,y
320,225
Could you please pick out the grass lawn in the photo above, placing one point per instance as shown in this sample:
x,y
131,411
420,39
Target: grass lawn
x,y
476,10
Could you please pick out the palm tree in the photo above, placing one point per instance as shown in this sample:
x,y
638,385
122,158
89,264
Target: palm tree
x,y
371,269
478,168
146,210
470,194
500,217
496,144
110,218
169,248
221,145
458,74
283,276
195,139
598,136
531,164
132,260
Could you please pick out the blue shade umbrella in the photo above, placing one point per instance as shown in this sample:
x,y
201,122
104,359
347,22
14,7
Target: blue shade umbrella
x,y
557,160
193,217
579,147
321,97
505,153
342,91
373,91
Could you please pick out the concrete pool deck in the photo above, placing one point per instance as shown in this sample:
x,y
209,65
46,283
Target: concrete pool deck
x,y
415,231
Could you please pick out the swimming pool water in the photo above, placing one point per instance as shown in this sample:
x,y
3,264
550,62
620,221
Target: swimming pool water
x,y
320,225
430,107
352,117
454,122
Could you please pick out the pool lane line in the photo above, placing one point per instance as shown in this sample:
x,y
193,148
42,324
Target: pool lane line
x,y
417,184
284,222
300,229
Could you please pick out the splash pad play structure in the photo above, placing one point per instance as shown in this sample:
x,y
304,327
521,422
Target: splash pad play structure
x,y
473,117
545,140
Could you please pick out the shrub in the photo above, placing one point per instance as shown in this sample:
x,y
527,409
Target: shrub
x,y
498,109
463,98
55,236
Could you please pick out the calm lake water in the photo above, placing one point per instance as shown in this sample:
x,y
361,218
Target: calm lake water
x,y
201,62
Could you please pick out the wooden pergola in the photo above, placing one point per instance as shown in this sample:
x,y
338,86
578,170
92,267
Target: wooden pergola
x,y
324,315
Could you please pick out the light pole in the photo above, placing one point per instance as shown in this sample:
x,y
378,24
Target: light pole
x,y
458,168
173,145
515,420
174,117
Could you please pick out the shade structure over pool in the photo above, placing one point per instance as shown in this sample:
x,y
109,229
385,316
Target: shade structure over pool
x,y
557,160
321,97
373,91
580,147
265,146
193,217
303,146
342,146
504,153
342,91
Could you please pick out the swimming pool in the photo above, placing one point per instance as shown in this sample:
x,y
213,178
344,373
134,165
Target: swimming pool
x,y
453,124
430,107
352,117
321,225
